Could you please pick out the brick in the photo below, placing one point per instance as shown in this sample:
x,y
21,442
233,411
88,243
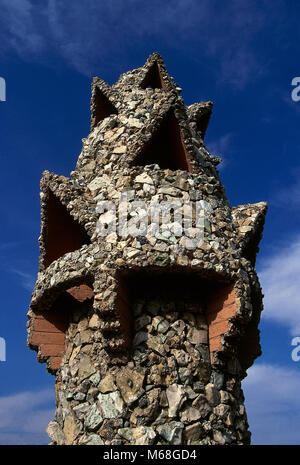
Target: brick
x,y
40,324
81,293
55,363
52,349
40,337
217,329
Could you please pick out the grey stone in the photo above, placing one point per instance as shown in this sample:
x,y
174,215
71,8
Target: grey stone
x,y
93,418
93,440
142,435
55,433
176,396
171,432
111,405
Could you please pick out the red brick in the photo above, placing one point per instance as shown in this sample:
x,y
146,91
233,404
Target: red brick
x,y
41,337
52,349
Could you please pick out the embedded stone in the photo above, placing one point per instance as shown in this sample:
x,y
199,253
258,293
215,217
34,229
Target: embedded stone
x,y
202,405
130,383
70,429
155,343
193,432
175,395
212,394
93,440
93,418
144,178
111,405
94,322
190,414
171,432
85,367
55,433
107,384
142,435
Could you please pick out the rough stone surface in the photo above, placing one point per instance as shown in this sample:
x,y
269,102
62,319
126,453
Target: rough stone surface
x,y
148,331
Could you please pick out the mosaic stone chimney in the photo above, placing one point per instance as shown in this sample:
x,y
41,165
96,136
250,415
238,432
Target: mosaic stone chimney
x,y
148,337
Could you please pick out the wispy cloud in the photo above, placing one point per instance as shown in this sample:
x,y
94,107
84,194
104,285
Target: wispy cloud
x,y
27,280
20,30
92,34
273,404
279,277
8,245
25,416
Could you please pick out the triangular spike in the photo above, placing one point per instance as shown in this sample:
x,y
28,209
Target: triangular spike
x,y
166,147
199,114
63,234
153,78
250,221
101,106
156,75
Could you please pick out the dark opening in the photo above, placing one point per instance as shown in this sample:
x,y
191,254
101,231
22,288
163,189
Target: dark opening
x,y
166,147
153,78
102,107
64,234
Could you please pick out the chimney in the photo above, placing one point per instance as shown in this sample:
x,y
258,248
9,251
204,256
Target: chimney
x,y
147,303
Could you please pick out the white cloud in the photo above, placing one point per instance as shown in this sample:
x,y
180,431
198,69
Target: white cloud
x,y
19,28
27,279
280,279
92,35
273,404
25,416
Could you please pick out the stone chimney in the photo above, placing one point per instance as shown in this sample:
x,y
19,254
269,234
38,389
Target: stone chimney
x,y
149,327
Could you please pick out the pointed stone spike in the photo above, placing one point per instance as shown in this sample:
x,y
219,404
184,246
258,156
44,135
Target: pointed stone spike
x,y
199,114
101,102
250,222
160,77
66,235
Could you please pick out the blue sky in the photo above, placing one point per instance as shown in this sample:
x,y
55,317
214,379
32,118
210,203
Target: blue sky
x,y
242,55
